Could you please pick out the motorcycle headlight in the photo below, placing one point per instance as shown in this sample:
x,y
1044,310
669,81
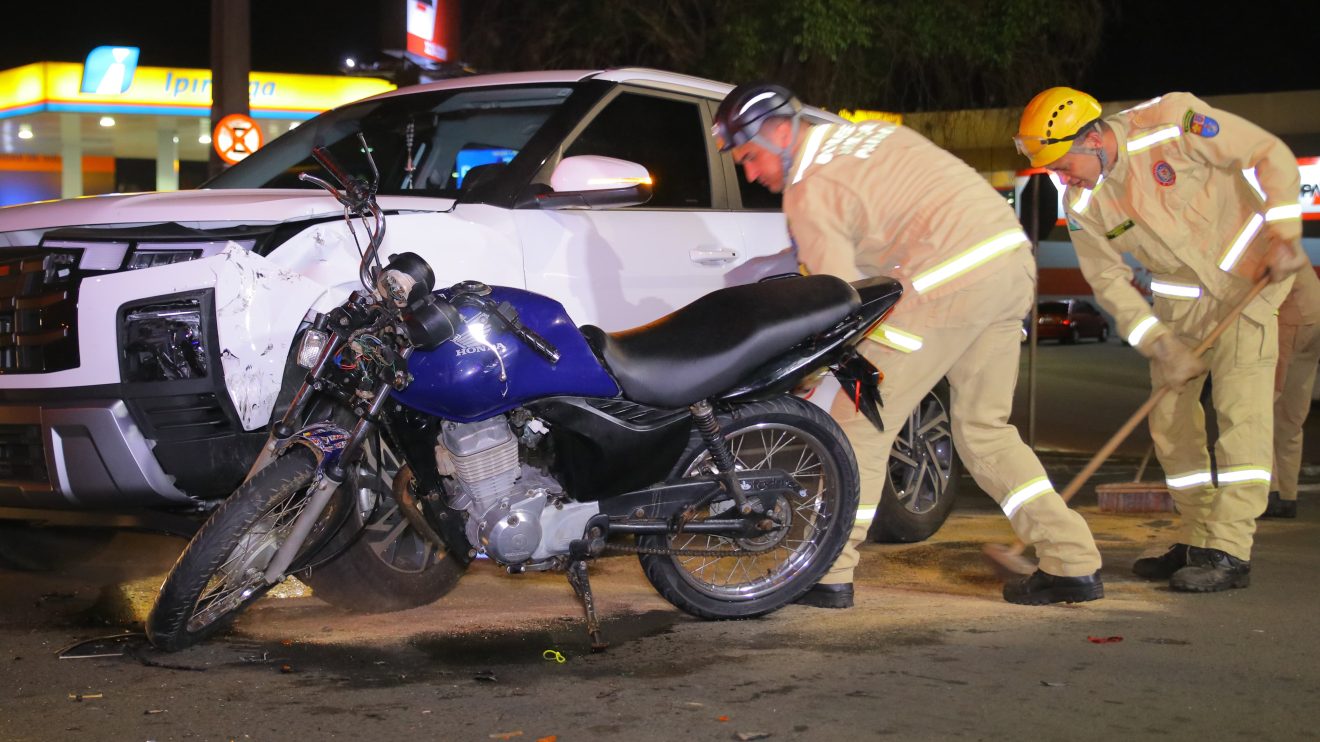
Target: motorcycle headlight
x,y
309,350
407,277
165,342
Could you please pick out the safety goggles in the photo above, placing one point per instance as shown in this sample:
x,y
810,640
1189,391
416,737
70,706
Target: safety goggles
x,y
1032,145
727,140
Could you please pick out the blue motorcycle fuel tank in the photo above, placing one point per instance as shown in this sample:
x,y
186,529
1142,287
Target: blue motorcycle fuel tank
x,y
486,370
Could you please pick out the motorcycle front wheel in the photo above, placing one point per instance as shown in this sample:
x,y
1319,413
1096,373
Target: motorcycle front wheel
x,y
221,570
773,570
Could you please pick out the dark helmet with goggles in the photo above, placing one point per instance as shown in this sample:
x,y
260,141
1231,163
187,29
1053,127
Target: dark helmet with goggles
x,y
745,110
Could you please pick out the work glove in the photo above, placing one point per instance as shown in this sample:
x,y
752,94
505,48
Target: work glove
x,y
1173,361
1284,256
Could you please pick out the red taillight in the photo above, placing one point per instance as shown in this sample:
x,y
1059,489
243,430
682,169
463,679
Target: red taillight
x,y
1066,322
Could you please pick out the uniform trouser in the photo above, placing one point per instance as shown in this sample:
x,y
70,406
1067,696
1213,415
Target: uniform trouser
x,y
1299,352
975,344
1221,513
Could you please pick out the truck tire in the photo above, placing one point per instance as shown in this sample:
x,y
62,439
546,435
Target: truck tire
x,y
922,481
389,567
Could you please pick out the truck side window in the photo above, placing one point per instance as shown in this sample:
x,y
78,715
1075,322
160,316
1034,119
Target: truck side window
x,y
663,135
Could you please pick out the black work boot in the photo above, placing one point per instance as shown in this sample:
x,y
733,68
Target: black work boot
x,y
1163,566
1215,570
1279,507
828,596
1042,588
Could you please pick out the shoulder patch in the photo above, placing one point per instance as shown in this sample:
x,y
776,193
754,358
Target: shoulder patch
x,y
1199,124
1073,225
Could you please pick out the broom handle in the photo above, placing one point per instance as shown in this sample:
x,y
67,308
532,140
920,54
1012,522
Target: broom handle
x,y
1114,442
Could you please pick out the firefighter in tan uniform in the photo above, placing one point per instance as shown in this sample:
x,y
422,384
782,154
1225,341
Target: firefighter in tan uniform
x,y
1164,182
1299,353
879,199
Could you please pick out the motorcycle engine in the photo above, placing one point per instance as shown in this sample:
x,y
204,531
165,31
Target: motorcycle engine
x,y
504,499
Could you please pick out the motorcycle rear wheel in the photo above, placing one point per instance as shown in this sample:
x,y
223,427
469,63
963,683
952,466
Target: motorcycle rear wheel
x,y
782,433
220,572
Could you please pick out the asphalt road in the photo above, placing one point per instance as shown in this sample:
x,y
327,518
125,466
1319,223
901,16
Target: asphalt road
x,y
930,652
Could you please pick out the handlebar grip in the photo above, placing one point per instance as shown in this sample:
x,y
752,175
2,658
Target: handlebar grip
x,y
327,161
537,343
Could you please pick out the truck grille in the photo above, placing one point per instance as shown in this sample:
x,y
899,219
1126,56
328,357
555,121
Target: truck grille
x,y
38,310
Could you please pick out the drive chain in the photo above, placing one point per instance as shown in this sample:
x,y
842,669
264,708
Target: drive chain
x,y
683,552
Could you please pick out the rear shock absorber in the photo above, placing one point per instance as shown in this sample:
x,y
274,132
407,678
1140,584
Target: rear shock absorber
x,y
709,428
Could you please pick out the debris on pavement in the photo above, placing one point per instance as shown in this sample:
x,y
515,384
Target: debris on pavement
x,y
85,696
1052,684
1104,639
113,645
485,676
506,735
745,736
153,712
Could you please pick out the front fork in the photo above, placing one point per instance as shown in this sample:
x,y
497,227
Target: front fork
x,y
333,447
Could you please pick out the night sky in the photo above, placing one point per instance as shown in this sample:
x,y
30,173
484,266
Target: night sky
x,y
1149,47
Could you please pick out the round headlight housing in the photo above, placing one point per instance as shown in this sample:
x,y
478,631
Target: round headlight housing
x,y
406,278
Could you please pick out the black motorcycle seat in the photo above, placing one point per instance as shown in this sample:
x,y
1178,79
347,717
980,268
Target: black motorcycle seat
x,y
707,346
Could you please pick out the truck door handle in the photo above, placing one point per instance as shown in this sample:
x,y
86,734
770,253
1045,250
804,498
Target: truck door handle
x,y
712,256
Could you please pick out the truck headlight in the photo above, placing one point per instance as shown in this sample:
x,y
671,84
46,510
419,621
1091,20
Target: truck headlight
x,y
150,257
165,341
309,350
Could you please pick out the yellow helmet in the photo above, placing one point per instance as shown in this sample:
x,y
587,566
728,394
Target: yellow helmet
x,y
1050,123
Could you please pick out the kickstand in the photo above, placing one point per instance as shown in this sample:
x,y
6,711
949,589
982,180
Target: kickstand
x,y
577,577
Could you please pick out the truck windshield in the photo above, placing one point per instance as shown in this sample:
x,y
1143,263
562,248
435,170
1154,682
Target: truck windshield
x,y
457,137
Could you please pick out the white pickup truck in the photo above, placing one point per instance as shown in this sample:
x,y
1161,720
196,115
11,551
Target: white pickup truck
x,y
143,337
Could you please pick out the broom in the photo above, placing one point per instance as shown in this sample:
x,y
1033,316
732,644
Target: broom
x,y
1135,496
1008,560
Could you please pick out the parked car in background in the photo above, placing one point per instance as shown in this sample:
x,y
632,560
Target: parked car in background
x,y
1070,320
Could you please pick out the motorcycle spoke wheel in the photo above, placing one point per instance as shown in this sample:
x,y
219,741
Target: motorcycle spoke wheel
x,y
243,573
781,554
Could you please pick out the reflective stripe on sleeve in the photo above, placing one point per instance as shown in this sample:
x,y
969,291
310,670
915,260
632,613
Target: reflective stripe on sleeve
x,y
973,257
809,151
1150,140
1240,474
1172,290
1025,494
1244,238
896,338
1280,213
866,514
1186,481
1139,332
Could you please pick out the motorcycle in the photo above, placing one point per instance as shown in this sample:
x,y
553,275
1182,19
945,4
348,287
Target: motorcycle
x,y
507,432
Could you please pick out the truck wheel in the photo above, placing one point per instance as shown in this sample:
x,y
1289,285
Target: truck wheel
x,y
32,548
389,566
923,474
